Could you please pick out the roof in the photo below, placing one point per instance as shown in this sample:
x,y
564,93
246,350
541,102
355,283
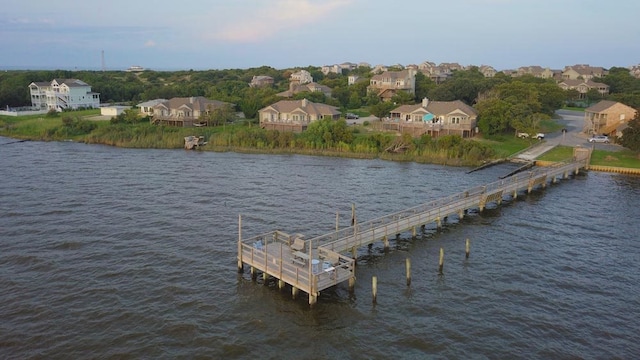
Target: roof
x,y
438,108
601,106
151,103
392,75
288,106
604,105
199,103
71,82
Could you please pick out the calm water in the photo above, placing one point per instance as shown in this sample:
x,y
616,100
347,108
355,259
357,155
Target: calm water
x,y
118,253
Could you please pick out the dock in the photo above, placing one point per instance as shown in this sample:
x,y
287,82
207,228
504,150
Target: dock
x,y
313,265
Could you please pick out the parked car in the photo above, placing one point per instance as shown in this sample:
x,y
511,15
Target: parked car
x,y
599,139
538,136
351,116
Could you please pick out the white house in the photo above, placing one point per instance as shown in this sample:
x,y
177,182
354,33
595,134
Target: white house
x,y
62,94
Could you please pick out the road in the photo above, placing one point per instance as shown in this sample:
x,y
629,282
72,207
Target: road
x,y
573,121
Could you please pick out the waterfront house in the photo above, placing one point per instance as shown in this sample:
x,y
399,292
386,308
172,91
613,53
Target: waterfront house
x,y
63,94
146,108
295,115
185,111
435,118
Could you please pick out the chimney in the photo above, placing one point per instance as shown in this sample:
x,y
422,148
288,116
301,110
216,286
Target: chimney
x,y
304,103
192,100
425,102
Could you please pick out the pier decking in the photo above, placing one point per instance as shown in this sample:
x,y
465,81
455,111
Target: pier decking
x,y
321,262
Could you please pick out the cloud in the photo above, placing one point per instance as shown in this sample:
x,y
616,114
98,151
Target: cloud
x,y
150,43
280,15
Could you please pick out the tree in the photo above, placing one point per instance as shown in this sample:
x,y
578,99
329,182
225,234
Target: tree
x,y
219,115
493,116
631,135
382,109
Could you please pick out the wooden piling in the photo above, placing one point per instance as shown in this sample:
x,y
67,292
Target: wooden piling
x,y
254,274
337,221
240,263
385,241
352,283
413,232
374,288
265,278
280,284
294,292
441,263
438,223
467,248
408,267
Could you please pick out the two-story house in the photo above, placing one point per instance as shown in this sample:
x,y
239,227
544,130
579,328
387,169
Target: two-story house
x,y
434,118
295,115
583,86
583,71
301,77
606,116
61,94
536,71
389,83
185,111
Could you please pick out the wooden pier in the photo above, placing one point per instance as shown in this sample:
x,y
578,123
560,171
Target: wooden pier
x,y
315,264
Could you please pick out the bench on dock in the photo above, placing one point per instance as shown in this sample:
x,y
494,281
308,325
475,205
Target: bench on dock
x,y
300,258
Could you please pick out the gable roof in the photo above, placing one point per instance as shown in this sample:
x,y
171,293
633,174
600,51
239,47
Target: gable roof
x,y
601,106
199,103
304,105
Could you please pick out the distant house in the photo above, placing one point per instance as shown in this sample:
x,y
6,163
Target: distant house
x,y
295,88
583,86
487,71
536,71
261,81
146,108
435,118
185,111
606,116
301,77
295,115
61,94
389,83
583,71
327,69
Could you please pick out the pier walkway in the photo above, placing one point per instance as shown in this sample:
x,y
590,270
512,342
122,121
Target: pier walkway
x,y
315,264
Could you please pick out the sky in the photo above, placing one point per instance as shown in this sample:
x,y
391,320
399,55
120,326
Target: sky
x,y
240,34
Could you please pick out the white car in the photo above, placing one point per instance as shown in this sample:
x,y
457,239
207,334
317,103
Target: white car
x,y
599,139
538,136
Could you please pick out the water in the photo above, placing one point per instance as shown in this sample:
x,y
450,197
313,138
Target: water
x,y
120,253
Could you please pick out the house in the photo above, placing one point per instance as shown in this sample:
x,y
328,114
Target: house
x,y
387,84
583,86
301,77
185,111
583,71
606,116
434,118
261,81
146,108
327,69
61,94
113,110
295,88
487,71
379,69
295,115
635,71
536,71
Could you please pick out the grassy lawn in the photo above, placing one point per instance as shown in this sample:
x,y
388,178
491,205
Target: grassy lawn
x,y
506,146
625,158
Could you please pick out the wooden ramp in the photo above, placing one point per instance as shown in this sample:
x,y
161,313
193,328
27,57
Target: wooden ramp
x,y
319,262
